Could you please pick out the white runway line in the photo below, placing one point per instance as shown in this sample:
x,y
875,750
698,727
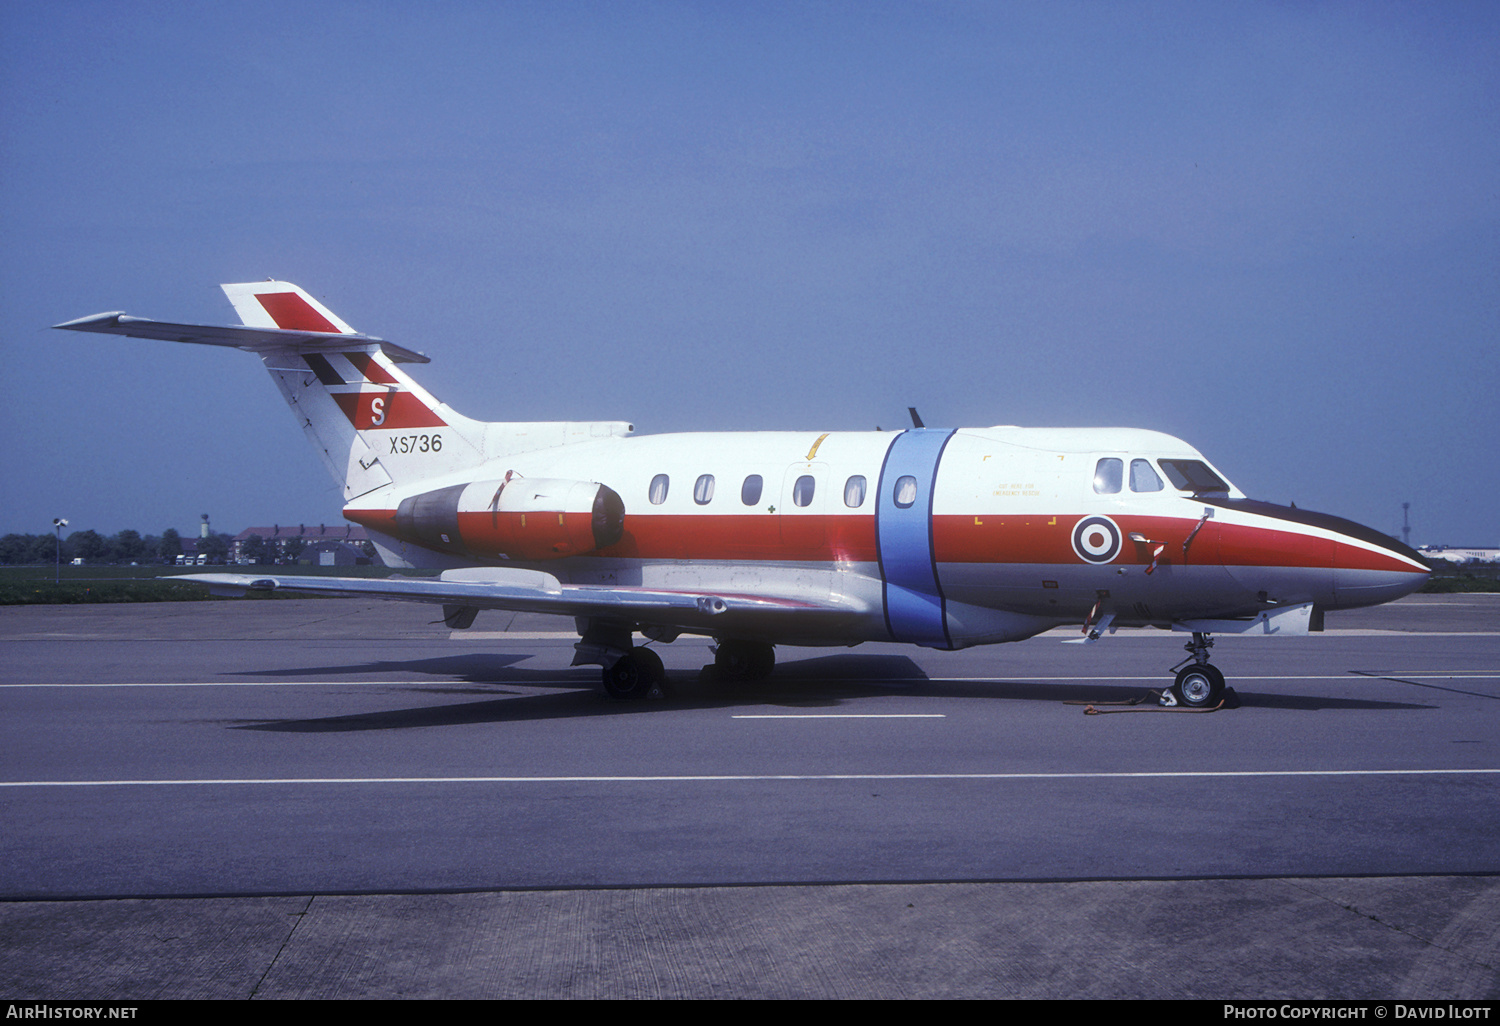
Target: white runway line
x,y
1054,633
839,716
587,677
754,777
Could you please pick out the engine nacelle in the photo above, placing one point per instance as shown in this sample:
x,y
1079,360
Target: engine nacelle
x,y
531,518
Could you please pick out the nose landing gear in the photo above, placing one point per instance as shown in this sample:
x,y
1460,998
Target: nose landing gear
x,y
1199,684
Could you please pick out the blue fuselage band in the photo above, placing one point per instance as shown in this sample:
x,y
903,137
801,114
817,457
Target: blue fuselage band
x,y
914,607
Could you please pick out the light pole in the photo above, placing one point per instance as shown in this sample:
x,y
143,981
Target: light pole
x,y
59,523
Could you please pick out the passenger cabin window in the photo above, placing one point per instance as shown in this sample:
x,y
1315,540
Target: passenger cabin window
x,y
750,490
802,491
703,490
658,493
854,491
906,491
1143,478
1109,473
1193,476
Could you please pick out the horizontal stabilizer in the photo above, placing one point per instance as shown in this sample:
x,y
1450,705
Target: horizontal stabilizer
x,y
251,339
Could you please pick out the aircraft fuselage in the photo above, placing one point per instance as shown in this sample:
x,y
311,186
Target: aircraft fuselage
x,y
956,537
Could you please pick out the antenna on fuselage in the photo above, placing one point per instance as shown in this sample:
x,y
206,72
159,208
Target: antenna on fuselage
x,y
916,420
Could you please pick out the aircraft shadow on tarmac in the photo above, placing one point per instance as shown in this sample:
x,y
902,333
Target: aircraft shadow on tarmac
x,y
820,682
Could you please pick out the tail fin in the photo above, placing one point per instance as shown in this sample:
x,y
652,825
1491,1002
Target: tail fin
x,y
372,424
280,304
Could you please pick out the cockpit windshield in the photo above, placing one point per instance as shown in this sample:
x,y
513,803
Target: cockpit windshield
x,y
1193,476
1143,478
1109,473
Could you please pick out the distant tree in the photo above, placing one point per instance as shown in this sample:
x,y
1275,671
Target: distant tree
x,y
44,549
14,548
127,547
253,548
28,548
170,546
292,548
87,544
215,547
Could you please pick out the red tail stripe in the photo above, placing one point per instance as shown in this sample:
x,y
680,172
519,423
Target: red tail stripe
x,y
386,411
370,369
291,311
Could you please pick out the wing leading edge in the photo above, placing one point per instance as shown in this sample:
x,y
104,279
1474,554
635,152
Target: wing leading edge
x,y
743,615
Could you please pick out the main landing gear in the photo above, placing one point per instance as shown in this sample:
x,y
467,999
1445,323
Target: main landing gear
x,y
1199,684
744,660
638,673
630,670
635,675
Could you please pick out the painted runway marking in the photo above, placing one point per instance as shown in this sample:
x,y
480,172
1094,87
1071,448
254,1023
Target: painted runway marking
x,y
586,678
472,635
754,777
1055,632
839,716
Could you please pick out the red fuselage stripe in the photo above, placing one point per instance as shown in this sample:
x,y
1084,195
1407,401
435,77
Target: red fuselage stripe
x,y
981,539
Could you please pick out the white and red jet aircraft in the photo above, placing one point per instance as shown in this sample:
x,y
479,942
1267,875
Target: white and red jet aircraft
x,y
936,537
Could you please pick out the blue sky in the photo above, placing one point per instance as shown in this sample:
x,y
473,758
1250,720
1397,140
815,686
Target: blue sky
x,y
1270,229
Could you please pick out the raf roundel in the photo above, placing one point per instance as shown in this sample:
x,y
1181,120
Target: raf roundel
x,y
1096,539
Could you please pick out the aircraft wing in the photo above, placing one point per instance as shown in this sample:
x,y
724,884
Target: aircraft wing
x,y
712,612
237,336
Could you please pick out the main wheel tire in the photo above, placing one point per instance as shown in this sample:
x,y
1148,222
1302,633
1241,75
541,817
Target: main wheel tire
x,y
1199,687
657,672
744,660
634,675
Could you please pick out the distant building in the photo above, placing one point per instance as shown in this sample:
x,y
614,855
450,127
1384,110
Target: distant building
x,y
320,545
1460,554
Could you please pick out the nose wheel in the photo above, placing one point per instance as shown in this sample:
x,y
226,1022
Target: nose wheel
x,y
1199,684
1199,687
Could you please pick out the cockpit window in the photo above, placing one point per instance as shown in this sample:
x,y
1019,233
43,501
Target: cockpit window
x,y
1193,476
1143,478
1108,475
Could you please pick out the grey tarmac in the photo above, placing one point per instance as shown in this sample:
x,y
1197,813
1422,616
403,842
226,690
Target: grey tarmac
x,y
339,798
